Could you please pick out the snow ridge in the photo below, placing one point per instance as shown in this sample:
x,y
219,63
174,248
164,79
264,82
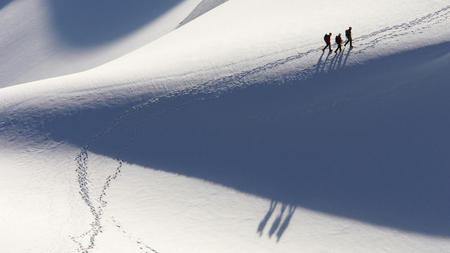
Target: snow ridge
x,y
200,9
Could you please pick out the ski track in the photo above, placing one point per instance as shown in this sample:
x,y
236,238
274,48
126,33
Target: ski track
x,y
141,245
216,87
96,211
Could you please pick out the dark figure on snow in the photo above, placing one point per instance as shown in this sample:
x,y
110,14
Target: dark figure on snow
x,y
327,39
339,43
348,34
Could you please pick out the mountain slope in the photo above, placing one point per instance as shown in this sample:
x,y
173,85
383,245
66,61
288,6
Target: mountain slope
x,y
236,133
48,38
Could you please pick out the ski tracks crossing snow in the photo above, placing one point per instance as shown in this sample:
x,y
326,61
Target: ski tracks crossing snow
x,y
96,226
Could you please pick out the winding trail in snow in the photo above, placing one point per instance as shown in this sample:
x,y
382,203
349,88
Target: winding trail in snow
x,y
96,211
237,80
217,87
141,245
414,26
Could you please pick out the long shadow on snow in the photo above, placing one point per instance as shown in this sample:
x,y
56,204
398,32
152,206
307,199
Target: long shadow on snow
x,y
369,142
86,23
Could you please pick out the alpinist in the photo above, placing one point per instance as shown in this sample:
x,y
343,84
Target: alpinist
x,y
348,34
339,43
327,39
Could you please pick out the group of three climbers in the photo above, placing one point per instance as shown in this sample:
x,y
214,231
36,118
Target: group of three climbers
x,y
338,39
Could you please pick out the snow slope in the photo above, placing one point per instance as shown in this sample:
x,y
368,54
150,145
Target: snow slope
x,y
234,133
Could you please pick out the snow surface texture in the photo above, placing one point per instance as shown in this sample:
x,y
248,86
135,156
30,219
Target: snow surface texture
x,y
234,133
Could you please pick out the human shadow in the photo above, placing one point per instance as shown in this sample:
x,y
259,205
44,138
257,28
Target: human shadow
x,y
333,62
338,64
285,224
366,142
286,221
347,54
86,23
322,68
280,223
276,223
263,223
318,65
337,61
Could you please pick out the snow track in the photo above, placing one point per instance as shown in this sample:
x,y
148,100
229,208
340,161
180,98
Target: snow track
x,y
96,211
413,27
239,80
141,245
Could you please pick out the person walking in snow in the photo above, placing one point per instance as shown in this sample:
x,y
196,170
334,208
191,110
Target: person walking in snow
x,y
327,39
348,34
339,43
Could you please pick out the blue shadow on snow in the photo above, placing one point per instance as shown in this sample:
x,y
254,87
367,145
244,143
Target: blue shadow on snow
x,y
364,142
87,23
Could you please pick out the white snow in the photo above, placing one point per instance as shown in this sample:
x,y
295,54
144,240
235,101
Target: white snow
x,y
229,133
47,38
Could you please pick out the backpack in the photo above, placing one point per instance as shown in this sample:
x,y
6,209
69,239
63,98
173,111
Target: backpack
x,y
338,40
326,38
348,33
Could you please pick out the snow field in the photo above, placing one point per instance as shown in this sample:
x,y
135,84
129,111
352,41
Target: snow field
x,y
169,148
